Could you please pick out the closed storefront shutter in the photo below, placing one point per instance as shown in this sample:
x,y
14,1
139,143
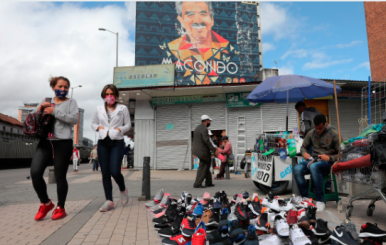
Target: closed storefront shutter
x,y
172,136
252,127
349,113
216,111
320,105
274,117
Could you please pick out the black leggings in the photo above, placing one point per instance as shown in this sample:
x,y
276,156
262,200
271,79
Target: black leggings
x,y
42,158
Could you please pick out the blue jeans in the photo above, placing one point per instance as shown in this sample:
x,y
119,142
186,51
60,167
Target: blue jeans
x,y
95,164
110,153
317,169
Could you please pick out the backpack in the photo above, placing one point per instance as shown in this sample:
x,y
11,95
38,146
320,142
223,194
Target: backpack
x,y
39,125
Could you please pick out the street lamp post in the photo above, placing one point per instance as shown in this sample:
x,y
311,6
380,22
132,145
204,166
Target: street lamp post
x,y
72,89
116,33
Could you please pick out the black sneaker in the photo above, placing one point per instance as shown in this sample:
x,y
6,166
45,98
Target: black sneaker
x,y
213,220
245,195
321,228
324,239
255,206
340,236
171,211
236,233
262,223
188,200
174,228
371,230
161,226
252,238
214,237
223,223
241,211
311,214
208,205
217,196
162,221
224,198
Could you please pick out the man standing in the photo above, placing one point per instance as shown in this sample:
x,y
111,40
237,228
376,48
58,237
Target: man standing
x,y
94,157
325,143
202,147
225,152
307,116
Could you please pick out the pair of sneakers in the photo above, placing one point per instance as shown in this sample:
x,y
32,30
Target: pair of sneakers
x,y
108,204
59,212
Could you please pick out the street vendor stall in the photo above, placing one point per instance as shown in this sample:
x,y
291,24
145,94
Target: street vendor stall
x,y
271,168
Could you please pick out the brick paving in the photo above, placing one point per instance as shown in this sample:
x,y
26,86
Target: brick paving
x,y
129,224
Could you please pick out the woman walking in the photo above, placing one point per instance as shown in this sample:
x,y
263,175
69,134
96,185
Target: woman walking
x,y
111,120
56,150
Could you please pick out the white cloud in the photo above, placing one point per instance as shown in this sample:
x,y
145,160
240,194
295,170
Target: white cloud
x,y
362,65
286,70
297,53
348,45
318,64
277,21
267,47
44,39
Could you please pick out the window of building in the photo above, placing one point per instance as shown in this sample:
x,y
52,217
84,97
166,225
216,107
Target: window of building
x,y
4,128
11,130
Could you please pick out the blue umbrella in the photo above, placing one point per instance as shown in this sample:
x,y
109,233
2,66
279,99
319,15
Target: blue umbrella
x,y
290,88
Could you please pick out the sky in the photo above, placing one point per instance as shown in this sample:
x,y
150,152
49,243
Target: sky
x,y
43,39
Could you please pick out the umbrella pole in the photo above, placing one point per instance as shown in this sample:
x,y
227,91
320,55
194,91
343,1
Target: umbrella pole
x,y
286,123
340,204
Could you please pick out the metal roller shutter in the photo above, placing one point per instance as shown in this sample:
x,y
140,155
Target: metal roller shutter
x,y
252,127
349,113
274,117
172,144
216,111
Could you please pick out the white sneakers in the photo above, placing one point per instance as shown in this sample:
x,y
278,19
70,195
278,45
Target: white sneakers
x,y
274,204
281,226
270,239
297,236
320,206
107,205
124,197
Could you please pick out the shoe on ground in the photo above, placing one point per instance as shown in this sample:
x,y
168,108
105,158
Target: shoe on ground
x,y
271,204
270,239
162,204
252,238
215,237
262,223
156,200
59,213
305,223
370,230
321,228
236,233
311,214
206,196
200,186
199,237
349,227
124,197
281,226
188,226
43,210
211,185
320,206
178,239
297,236
241,211
107,205
223,223
245,195
340,236
198,210
255,206
174,229
214,219
292,217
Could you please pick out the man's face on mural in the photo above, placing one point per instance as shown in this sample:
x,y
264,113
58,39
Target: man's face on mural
x,y
197,21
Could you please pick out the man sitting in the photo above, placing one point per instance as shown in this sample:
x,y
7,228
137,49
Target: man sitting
x,y
325,143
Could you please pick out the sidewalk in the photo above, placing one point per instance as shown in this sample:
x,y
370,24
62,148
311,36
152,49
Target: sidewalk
x,y
131,224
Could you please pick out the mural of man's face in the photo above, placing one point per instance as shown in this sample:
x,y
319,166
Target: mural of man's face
x,y
197,21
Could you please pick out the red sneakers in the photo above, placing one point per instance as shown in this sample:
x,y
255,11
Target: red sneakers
x,y
43,210
292,217
199,238
177,239
59,213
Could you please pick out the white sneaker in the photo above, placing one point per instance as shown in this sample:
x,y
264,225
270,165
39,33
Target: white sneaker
x,y
269,239
271,204
320,206
107,205
124,197
281,226
297,236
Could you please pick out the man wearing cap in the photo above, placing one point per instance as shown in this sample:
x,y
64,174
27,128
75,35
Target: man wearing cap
x,y
225,152
202,147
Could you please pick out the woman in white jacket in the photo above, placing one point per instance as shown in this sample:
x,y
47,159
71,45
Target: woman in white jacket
x,y
111,120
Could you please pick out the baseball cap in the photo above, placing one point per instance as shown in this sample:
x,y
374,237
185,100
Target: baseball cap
x,y
205,117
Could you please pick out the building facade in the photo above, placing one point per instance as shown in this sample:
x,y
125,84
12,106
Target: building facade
x,y
25,110
77,129
375,13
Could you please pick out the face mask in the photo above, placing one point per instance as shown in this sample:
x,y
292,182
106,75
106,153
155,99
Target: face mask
x,y
110,99
208,125
61,94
